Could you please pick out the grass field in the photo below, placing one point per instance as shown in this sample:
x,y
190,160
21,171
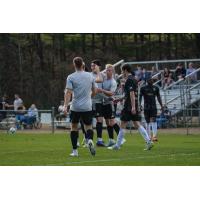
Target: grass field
x,y
26,149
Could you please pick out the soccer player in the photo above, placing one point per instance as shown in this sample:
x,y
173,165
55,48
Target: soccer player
x,y
97,101
108,89
80,84
130,111
150,92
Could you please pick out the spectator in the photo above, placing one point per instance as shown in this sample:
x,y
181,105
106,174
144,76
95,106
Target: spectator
x,y
17,102
154,71
138,73
192,78
167,78
20,115
145,75
180,72
32,115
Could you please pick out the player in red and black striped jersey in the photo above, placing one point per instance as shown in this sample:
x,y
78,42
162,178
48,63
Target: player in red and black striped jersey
x,y
130,111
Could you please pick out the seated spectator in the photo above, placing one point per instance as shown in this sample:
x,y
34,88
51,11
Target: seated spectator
x,y
20,115
168,80
145,75
154,71
32,115
60,114
138,73
165,76
180,72
192,78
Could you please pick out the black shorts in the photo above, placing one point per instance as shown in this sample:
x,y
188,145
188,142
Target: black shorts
x,y
97,110
150,113
108,111
86,117
128,116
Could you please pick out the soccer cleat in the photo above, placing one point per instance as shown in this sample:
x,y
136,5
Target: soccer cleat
x,y
111,143
114,147
91,147
123,141
149,146
100,144
74,153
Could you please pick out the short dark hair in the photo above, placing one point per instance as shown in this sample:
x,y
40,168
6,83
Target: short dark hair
x,y
78,62
96,62
126,67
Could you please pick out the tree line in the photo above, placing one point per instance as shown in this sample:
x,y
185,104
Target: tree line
x,y
35,65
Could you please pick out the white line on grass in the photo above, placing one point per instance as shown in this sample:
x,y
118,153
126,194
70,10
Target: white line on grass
x,y
122,159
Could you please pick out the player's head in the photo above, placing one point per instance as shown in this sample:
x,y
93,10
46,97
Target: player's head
x,y
94,64
126,69
150,81
16,96
109,70
78,63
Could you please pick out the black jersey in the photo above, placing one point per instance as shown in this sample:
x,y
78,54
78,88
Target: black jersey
x,y
130,85
150,92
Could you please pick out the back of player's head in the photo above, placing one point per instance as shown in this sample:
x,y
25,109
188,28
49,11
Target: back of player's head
x,y
126,67
78,62
96,62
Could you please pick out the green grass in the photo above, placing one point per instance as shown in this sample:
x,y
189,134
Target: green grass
x,y
53,150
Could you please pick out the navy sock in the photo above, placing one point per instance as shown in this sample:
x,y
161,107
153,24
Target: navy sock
x,y
99,128
74,138
110,132
90,134
116,128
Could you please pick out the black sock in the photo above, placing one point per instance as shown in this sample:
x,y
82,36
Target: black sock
x,y
110,132
99,128
116,128
74,139
90,134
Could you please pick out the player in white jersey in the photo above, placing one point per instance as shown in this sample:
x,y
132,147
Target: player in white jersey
x,y
97,101
108,89
81,84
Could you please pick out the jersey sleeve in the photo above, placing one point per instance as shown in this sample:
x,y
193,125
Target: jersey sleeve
x,y
131,86
69,83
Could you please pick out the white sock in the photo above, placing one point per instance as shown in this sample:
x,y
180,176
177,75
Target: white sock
x,y
149,129
75,151
154,129
120,137
144,133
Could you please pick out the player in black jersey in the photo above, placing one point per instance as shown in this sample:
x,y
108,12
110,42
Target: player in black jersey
x,y
130,111
150,92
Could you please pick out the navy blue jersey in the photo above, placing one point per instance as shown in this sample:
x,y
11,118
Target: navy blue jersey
x,y
130,85
150,92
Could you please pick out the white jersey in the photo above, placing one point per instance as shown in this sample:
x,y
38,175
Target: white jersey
x,y
81,83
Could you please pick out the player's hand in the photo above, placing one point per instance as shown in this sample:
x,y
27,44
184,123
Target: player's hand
x,y
65,110
99,90
133,111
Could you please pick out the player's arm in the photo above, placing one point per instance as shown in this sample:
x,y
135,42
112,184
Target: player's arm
x,y
67,98
99,78
132,97
140,97
94,88
110,92
159,99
